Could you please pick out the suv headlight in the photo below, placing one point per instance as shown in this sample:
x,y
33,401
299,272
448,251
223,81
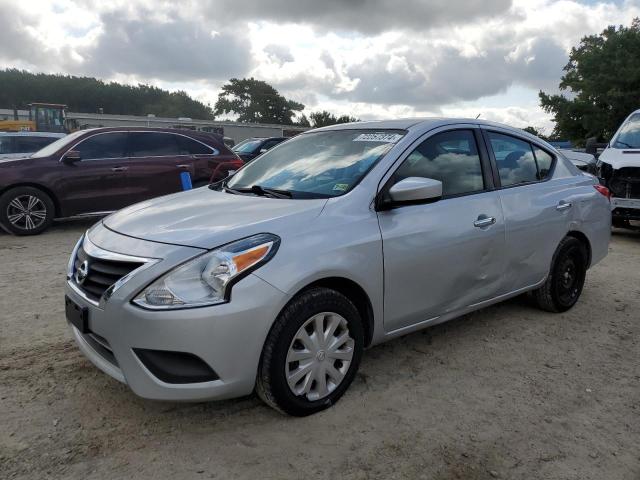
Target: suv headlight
x,y
207,279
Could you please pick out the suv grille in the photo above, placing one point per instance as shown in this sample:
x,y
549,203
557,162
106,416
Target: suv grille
x,y
625,182
98,274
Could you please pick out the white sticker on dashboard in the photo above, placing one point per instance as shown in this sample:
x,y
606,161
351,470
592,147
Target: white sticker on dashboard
x,y
378,137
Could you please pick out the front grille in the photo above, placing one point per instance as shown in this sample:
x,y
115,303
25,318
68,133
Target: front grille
x,y
101,273
625,182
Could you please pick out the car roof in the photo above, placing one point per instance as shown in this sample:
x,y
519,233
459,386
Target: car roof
x,y
426,124
32,134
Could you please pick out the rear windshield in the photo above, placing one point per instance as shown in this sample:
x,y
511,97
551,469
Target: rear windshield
x,y
318,164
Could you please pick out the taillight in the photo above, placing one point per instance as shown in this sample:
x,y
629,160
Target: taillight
x,y
603,190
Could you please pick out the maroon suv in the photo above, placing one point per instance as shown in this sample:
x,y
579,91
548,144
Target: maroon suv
x,y
104,169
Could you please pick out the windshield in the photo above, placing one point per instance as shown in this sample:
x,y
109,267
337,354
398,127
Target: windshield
x,y
318,165
247,146
629,134
57,145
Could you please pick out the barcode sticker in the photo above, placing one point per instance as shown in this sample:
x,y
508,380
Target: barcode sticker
x,y
378,137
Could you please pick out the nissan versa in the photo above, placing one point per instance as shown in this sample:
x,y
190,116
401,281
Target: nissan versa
x,y
278,277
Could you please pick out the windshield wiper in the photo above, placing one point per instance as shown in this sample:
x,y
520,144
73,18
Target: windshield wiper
x,y
625,144
260,191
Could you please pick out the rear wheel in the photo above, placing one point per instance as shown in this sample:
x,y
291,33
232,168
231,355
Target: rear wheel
x,y
311,354
566,279
26,211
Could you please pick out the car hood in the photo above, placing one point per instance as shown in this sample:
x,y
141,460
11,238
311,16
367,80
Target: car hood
x,y
620,158
206,218
12,157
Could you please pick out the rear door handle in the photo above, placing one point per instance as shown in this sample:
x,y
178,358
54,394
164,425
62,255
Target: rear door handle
x,y
119,169
563,206
183,166
484,221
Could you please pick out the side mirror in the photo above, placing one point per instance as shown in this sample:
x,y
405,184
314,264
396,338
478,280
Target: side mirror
x,y
71,156
415,190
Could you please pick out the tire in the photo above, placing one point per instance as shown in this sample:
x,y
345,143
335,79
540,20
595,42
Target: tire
x,y
334,311
26,211
564,284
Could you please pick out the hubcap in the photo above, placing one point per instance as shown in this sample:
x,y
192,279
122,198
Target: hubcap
x,y
569,283
26,212
319,356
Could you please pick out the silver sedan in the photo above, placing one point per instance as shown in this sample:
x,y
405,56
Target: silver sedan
x,y
277,279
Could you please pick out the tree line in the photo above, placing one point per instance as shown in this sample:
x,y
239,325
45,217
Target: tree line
x,y
250,100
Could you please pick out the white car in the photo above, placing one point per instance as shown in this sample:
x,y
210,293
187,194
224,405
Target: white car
x,y
619,170
583,161
23,144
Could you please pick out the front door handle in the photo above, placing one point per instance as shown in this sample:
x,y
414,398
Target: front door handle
x,y
119,169
563,206
484,221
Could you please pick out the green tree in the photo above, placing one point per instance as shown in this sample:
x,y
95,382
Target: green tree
x,y
18,88
538,132
602,80
303,121
324,118
256,101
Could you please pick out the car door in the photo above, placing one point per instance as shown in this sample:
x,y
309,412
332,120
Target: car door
x,y
442,256
155,164
537,209
98,181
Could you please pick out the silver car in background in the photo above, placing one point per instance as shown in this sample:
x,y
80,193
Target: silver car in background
x,y
277,278
24,144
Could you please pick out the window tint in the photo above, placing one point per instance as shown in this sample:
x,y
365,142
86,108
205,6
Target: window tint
x,y
32,144
6,145
270,144
188,146
152,144
104,145
515,160
544,160
451,157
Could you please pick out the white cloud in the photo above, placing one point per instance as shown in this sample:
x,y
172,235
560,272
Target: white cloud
x,y
370,58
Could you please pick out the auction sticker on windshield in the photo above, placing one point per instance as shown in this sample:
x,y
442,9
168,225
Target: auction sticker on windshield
x,y
378,137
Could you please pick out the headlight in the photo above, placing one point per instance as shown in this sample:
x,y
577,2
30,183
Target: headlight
x,y
207,279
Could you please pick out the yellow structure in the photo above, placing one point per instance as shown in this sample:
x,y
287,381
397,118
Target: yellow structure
x,y
43,117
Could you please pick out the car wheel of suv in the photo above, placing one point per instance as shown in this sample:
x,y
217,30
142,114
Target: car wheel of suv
x,y
26,211
311,354
564,284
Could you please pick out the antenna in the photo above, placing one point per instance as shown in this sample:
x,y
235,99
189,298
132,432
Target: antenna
x,y
478,116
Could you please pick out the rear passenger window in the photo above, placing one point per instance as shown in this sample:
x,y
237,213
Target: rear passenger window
x,y
451,157
104,145
188,146
515,160
152,144
544,161
32,144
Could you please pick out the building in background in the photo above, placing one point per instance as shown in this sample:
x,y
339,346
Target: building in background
x,y
234,130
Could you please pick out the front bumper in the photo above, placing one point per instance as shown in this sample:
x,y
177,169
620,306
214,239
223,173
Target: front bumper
x,y
626,208
227,337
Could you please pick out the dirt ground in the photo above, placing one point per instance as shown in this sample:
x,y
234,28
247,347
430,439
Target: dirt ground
x,y
507,392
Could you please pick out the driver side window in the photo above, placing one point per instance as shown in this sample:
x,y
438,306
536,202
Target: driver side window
x,y
103,146
450,157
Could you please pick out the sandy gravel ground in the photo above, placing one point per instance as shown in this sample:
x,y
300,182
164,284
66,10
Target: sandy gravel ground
x,y
507,392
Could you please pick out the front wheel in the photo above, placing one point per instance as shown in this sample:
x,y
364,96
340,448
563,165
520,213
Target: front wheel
x,y
566,279
26,211
311,354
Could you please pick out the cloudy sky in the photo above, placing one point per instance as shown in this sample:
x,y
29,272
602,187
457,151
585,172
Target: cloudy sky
x,y
368,58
